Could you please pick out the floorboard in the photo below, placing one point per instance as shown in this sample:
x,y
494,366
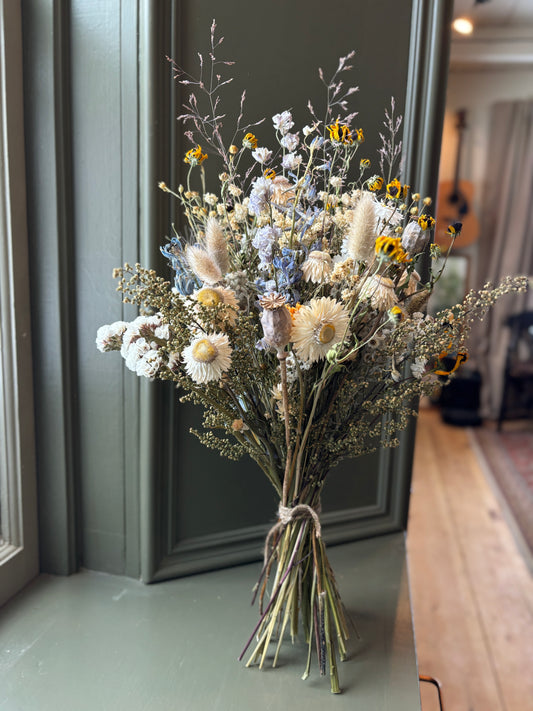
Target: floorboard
x,y
472,594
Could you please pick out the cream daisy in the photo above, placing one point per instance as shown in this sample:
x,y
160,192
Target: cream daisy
x,y
207,357
318,326
225,299
317,267
380,291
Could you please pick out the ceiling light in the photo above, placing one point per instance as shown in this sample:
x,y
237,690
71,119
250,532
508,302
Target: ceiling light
x,y
463,25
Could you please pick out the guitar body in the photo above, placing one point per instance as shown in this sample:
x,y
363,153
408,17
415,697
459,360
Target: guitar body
x,y
454,204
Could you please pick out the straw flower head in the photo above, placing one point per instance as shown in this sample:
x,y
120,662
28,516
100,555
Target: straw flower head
x,y
318,326
317,267
211,296
380,291
207,357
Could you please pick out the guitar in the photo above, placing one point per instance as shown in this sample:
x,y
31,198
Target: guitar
x,y
454,201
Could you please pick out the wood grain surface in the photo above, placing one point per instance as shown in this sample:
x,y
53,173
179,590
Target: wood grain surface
x,y
472,593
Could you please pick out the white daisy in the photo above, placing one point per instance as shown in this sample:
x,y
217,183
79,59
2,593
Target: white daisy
x,y
207,357
318,326
317,267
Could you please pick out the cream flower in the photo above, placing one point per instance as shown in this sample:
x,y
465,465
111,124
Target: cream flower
x,y
207,357
412,284
318,326
380,291
210,296
361,234
149,364
282,190
317,267
136,350
109,337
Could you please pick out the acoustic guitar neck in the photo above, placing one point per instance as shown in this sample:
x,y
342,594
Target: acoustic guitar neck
x,y
454,201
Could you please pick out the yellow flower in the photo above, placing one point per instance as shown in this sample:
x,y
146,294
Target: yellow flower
x,y
391,248
375,183
426,222
454,230
359,135
364,163
270,173
461,357
195,156
397,314
394,189
250,141
340,133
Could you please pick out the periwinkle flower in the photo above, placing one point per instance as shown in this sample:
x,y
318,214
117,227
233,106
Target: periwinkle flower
x,y
260,195
290,141
262,155
291,161
264,241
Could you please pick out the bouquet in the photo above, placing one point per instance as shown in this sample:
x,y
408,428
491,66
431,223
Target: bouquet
x,y
295,316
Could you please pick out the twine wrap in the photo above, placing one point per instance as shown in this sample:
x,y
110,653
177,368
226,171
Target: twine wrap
x,y
286,515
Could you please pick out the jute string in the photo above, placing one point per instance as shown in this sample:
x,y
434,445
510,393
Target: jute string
x,y
286,515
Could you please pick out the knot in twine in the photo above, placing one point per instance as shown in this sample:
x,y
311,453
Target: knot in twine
x,y
286,515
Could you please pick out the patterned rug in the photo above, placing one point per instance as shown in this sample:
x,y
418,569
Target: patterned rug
x,y
508,457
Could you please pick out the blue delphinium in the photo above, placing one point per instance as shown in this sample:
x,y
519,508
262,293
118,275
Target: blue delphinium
x,y
184,281
288,273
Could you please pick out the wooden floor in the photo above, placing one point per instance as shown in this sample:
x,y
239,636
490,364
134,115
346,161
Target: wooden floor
x,y
472,594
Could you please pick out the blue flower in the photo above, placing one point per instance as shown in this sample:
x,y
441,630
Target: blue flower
x,y
184,281
288,273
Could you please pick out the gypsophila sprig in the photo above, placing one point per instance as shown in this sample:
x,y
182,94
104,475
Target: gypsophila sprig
x,y
294,315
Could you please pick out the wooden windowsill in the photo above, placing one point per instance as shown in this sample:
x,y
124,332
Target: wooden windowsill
x,y
91,642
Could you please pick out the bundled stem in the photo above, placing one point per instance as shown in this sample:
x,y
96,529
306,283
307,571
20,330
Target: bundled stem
x,y
304,595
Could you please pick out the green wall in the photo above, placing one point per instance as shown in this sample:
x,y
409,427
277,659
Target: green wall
x,y
120,479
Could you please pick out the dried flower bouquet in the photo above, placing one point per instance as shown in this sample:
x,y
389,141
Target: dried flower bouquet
x,y
296,319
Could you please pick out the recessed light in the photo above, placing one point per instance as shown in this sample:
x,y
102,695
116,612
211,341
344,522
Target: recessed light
x,y
463,25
